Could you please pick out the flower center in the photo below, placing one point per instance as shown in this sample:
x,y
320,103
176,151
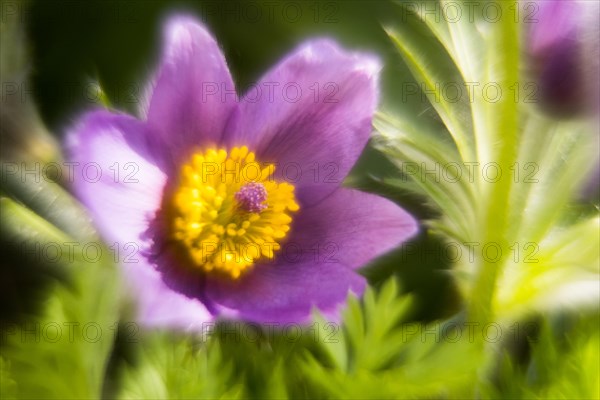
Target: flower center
x,y
228,210
251,197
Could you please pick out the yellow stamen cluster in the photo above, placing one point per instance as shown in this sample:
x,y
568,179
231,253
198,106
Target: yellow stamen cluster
x,y
220,233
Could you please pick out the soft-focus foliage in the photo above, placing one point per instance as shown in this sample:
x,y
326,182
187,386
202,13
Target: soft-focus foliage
x,y
506,178
545,310
61,348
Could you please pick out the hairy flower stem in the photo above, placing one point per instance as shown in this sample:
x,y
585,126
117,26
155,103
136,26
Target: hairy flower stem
x,y
502,131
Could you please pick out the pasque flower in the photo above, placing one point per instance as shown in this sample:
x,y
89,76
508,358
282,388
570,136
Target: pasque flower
x,y
234,206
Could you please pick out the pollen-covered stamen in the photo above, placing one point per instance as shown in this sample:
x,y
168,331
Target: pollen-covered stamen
x,y
251,197
205,210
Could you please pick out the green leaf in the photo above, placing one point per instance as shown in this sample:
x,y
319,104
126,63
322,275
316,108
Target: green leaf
x,y
172,366
540,163
32,185
390,358
435,72
436,171
563,365
61,347
560,272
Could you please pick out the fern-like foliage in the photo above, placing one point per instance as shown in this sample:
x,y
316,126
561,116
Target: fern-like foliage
x,y
500,172
382,356
171,366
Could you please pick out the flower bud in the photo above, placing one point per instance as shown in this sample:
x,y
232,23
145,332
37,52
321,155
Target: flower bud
x,y
563,53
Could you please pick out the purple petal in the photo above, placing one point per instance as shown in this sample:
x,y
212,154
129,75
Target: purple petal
x,y
353,226
314,267
115,176
194,93
312,114
123,201
171,260
286,291
158,305
556,22
555,47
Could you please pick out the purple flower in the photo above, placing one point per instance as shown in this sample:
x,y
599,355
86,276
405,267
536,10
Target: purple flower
x,y
563,48
236,205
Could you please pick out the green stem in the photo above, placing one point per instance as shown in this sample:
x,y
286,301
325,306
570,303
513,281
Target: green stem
x,y
500,147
